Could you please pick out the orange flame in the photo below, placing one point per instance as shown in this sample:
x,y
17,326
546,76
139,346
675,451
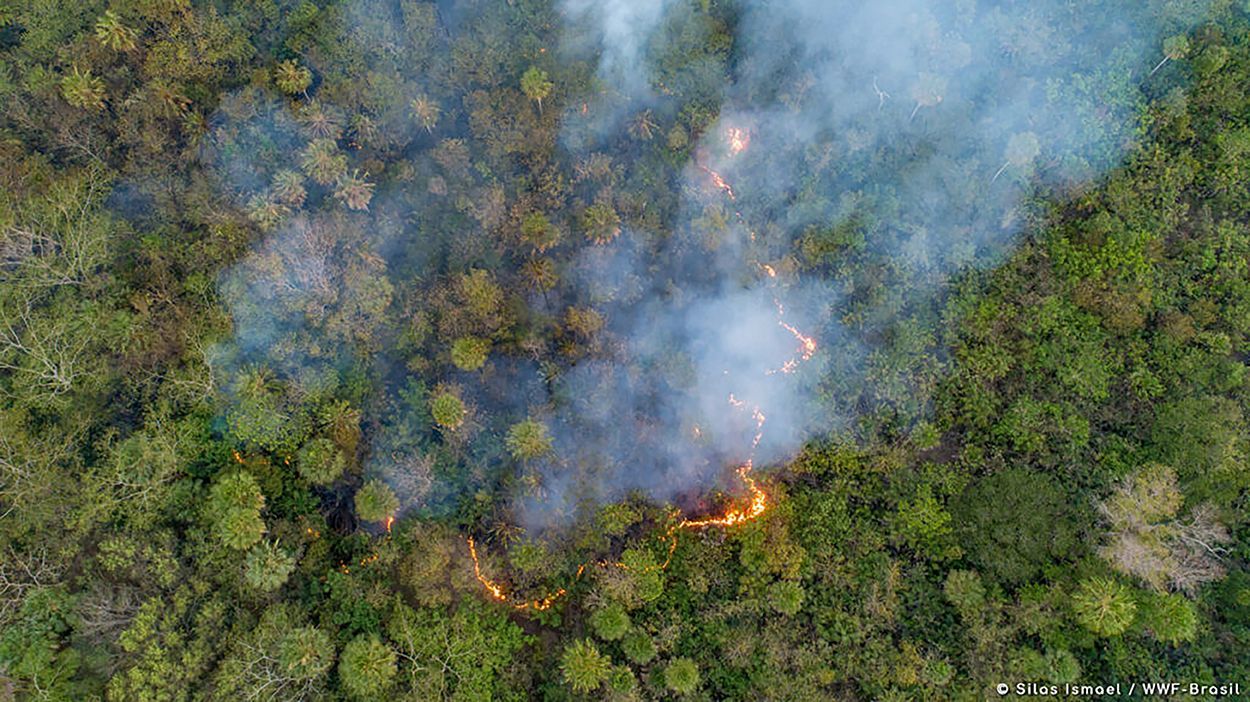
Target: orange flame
x,y
390,521
719,182
238,458
496,590
738,140
756,506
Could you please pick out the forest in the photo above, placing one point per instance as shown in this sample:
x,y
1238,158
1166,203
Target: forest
x,y
627,350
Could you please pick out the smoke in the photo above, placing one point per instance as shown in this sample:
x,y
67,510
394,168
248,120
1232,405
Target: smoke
x,y
837,163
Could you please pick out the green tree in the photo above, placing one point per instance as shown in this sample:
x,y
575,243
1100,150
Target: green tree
x,y
682,676
535,85
1175,48
1013,523
354,191
786,597
1104,606
234,505
538,232
610,623
584,667
1168,617
367,668
528,439
82,89
375,501
306,652
601,223
320,462
323,162
448,410
291,78
638,646
113,33
267,566
469,353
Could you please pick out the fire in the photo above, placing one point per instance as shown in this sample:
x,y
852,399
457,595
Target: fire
x,y
390,521
238,458
719,181
496,590
757,502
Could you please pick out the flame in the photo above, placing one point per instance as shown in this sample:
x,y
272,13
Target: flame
x,y
238,458
496,590
719,181
390,521
757,502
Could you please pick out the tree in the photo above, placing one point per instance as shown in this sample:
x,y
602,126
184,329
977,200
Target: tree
x,y
643,126
306,653
584,667
682,676
367,668
1013,523
964,590
323,162
610,623
82,89
288,188
447,410
1021,149
1169,618
538,232
535,85
786,597
1147,540
469,353
376,501
354,191
425,111
467,653
927,91
234,505
291,78
267,566
1175,48
528,439
638,646
1104,606
266,211
113,33
320,462
601,223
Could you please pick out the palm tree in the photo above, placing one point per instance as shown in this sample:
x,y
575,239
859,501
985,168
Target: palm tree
x,y
601,223
354,191
425,111
110,32
169,99
81,89
643,126
323,162
288,188
321,122
266,212
535,85
291,78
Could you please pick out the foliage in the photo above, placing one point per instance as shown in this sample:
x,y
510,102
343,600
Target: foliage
x,y
367,668
584,667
